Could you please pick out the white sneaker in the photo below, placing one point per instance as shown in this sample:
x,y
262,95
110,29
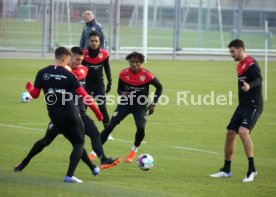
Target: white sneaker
x,y
221,174
110,137
250,178
72,179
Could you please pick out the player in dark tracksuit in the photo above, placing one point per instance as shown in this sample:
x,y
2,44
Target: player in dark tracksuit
x,y
97,60
90,128
248,111
133,87
57,83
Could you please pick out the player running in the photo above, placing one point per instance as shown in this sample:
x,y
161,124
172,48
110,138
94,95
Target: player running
x,y
56,82
247,113
133,87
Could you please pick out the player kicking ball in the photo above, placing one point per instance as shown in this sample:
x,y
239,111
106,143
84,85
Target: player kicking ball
x,y
91,130
55,80
247,113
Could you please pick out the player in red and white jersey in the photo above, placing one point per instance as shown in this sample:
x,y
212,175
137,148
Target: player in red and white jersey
x,y
133,87
248,111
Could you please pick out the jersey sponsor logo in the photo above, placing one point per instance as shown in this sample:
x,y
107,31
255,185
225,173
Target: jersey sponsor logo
x,y
52,90
96,67
46,76
58,77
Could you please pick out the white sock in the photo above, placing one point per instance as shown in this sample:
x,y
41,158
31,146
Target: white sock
x,y
134,148
93,153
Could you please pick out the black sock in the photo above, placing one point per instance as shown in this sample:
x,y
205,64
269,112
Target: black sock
x,y
251,166
227,166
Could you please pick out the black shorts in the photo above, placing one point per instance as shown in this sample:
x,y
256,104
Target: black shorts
x,y
245,116
71,126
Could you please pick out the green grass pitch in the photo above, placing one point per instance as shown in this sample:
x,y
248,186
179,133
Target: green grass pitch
x,y
186,142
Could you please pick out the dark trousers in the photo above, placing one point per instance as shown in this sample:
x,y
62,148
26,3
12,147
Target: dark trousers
x,y
139,113
74,132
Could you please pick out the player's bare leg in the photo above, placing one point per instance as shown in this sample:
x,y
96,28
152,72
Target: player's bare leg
x,y
244,134
229,149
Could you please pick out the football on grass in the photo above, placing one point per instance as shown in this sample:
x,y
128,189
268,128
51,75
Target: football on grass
x,y
145,162
25,97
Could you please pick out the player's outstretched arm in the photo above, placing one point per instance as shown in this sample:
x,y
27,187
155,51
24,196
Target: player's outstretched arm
x,y
88,100
34,92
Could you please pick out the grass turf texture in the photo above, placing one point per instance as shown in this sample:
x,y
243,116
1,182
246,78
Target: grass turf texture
x,y
177,171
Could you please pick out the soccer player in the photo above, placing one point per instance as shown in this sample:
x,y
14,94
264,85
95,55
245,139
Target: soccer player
x,y
90,128
248,111
56,81
133,86
96,60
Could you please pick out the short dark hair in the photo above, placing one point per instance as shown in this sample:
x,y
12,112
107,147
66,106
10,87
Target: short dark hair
x,y
77,50
237,43
94,33
61,51
135,54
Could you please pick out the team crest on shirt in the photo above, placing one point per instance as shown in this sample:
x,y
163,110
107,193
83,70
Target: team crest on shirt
x,y
142,78
243,66
100,55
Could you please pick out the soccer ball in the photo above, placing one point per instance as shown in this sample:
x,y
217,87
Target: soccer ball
x,y
25,97
145,162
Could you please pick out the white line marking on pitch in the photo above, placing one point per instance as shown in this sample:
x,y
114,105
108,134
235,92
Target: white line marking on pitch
x,y
195,149
31,123
21,127
127,141
175,123
118,140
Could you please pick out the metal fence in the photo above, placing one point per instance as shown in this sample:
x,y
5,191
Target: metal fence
x,y
173,27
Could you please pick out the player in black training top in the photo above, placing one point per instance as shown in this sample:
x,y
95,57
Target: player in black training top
x,y
248,111
57,82
91,130
133,87
96,60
